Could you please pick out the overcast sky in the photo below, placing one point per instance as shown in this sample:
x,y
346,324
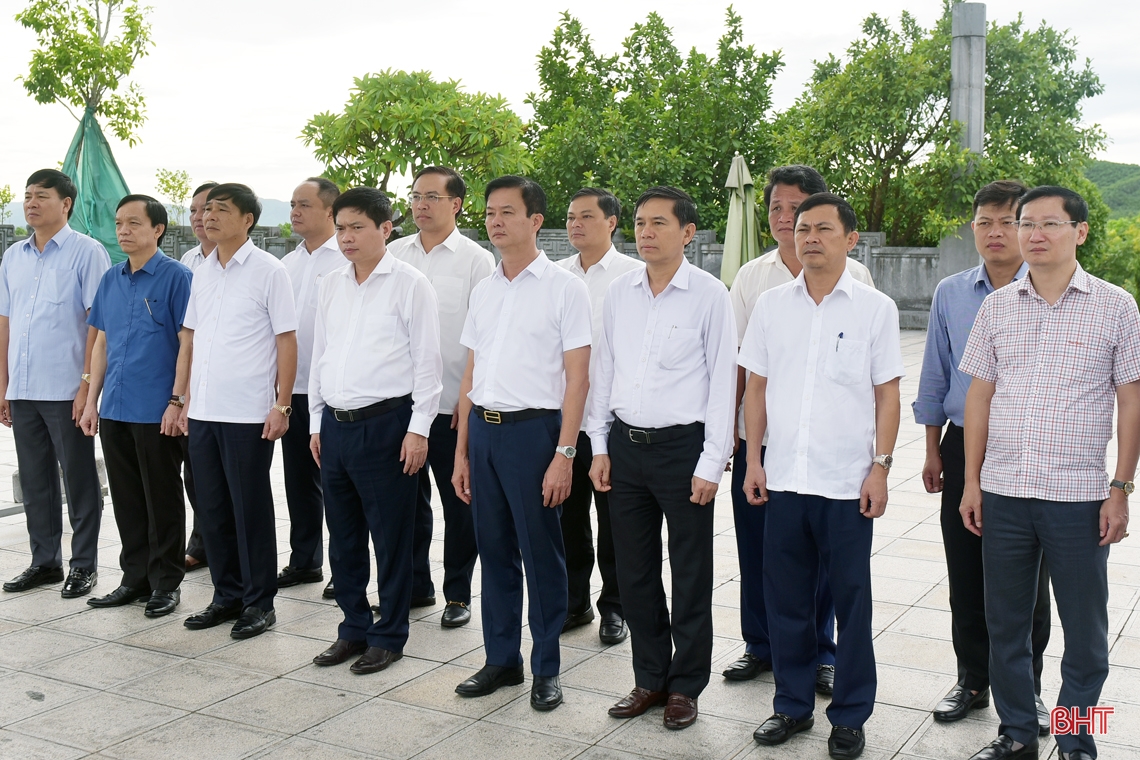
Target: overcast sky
x,y
230,83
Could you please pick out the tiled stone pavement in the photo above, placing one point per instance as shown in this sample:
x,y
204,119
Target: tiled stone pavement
x,y
77,682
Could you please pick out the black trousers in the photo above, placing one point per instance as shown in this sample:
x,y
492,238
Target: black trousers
x,y
235,502
967,579
578,535
194,546
650,482
459,548
303,491
46,440
146,493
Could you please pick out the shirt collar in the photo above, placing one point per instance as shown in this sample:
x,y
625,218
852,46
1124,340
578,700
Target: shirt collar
x,y
1080,280
607,258
330,245
150,267
384,266
680,278
846,283
451,242
240,256
983,276
58,238
537,267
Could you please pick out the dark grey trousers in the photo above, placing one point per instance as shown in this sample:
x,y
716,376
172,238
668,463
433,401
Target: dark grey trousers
x,y
1017,534
47,439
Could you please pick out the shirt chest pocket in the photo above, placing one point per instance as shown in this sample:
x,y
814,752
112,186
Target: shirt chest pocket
x,y
149,314
681,348
379,334
449,293
60,286
846,363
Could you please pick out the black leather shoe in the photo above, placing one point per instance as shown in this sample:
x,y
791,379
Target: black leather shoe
x,y
79,583
545,693
488,680
253,621
119,597
779,728
824,679
846,743
329,592
455,614
162,603
1002,749
746,668
374,660
292,576
613,629
214,614
579,619
1077,754
419,601
33,577
958,702
1043,726
339,652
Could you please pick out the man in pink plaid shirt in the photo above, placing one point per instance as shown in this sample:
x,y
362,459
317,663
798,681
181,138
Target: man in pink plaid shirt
x,y
1048,355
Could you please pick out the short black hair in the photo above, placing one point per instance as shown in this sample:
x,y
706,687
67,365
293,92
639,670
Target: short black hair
x,y
534,197
1004,192
242,197
846,213
455,184
1074,205
805,178
369,201
327,190
54,178
607,201
155,211
684,207
202,188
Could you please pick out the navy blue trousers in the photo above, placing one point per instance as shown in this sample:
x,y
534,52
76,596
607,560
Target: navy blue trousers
x,y
749,522
235,507
366,492
303,491
800,532
513,531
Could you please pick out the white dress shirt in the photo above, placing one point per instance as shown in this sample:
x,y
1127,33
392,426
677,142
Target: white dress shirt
x,y
454,268
236,312
667,360
519,329
598,279
822,363
194,257
375,341
761,275
306,269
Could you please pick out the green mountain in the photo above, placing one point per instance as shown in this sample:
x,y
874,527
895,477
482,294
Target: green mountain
x,y
1119,184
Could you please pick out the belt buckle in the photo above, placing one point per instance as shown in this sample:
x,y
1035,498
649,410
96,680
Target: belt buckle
x,y
346,412
493,417
644,435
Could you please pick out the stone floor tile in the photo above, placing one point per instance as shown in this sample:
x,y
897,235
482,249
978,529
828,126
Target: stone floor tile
x,y
889,727
284,705
13,745
191,684
392,730
939,741
97,722
906,687
23,695
25,648
926,532
884,614
298,748
1122,685
430,641
604,673
708,737
193,737
484,741
915,549
274,653
726,621
372,684
727,594
291,610
321,625
908,569
104,666
938,598
582,716
916,652
744,701
435,690
921,621
898,590
606,753
107,624
39,606
1126,652
175,638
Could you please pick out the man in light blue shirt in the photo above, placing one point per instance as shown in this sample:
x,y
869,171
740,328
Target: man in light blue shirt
x,y
47,285
942,399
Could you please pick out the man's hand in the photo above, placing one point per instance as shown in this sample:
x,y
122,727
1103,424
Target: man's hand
x,y
704,491
413,452
169,425
315,447
756,485
184,419
89,422
932,473
600,472
873,494
275,425
461,477
971,508
5,410
455,420
79,404
1113,517
556,481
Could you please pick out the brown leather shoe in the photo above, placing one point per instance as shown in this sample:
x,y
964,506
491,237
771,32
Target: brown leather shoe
x,y
340,651
374,660
638,701
680,711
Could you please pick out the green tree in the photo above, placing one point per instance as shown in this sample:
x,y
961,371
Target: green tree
x,y
175,185
395,123
6,197
649,115
1118,259
81,66
877,124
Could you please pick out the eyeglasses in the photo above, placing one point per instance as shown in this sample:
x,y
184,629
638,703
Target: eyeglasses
x,y
430,197
986,224
1049,226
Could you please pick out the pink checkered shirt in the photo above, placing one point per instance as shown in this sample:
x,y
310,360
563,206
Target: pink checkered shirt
x,y
1056,369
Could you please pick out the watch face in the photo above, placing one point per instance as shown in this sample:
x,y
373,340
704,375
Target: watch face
x,y
1129,487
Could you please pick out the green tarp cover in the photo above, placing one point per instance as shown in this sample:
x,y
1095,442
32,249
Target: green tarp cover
x,y
92,168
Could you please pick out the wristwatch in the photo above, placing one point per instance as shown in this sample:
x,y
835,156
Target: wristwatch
x,y
285,410
567,451
1124,485
178,401
884,460
86,377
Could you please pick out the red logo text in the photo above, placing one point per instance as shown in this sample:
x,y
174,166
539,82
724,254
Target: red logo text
x,y
1069,720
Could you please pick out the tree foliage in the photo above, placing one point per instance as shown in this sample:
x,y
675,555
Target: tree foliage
x,y
395,123
175,185
6,197
649,115
1118,259
80,65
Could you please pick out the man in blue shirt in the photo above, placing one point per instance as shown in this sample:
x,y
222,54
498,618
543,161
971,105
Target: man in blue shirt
x,y
941,399
47,284
141,363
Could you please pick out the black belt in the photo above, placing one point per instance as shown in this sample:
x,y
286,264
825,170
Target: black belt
x,y
497,418
372,410
656,435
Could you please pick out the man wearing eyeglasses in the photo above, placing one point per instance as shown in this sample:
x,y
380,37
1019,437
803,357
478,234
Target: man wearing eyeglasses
x,y
454,264
941,401
1049,355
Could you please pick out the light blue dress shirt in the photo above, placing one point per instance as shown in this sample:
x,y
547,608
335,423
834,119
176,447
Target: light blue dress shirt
x,y
942,386
46,297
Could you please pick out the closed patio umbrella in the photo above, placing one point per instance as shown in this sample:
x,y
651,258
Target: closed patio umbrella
x,y
742,232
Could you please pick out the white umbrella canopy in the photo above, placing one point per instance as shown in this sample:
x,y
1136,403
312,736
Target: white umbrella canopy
x,y
742,232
